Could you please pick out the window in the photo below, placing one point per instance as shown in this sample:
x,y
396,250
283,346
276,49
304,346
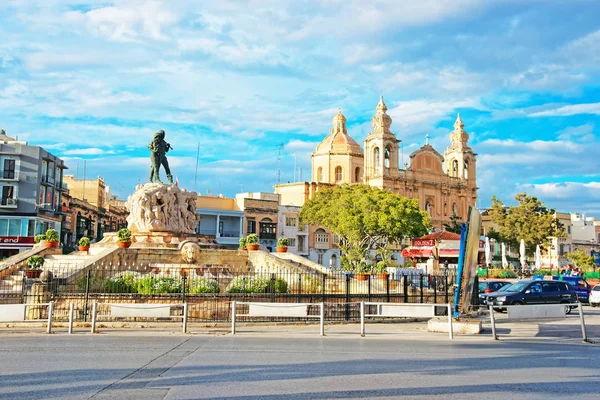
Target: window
x,y
321,236
14,227
466,170
320,174
220,228
428,207
292,242
8,194
550,287
536,288
44,170
289,221
251,227
454,209
386,158
9,169
357,174
333,261
320,258
561,249
455,169
267,229
569,229
3,227
338,174
376,159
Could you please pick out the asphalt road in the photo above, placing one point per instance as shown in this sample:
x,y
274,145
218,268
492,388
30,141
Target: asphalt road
x,y
275,363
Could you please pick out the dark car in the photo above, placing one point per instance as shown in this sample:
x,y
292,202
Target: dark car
x,y
534,292
486,287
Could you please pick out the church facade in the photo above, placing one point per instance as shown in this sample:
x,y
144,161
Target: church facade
x,y
442,184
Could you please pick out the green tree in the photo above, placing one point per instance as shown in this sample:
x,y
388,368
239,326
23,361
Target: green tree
x,y
455,225
363,216
530,220
581,259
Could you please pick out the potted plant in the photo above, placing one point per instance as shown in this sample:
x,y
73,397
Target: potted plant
x,y
242,243
39,238
252,242
34,266
52,238
124,238
363,270
84,244
381,268
282,245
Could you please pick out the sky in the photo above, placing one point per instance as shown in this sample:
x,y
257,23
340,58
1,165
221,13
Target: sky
x,y
254,85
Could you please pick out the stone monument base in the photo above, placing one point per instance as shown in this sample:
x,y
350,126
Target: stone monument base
x,y
173,240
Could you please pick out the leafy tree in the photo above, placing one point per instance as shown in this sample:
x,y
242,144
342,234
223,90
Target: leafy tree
x,y
455,225
363,216
581,259
530,220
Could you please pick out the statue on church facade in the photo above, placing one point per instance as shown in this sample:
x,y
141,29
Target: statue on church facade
x,y
158,156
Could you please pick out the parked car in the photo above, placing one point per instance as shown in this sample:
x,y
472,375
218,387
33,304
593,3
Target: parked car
x,y
595,296
490,286
535,292
582,288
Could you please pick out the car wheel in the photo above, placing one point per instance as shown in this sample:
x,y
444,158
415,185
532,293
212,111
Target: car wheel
x,y
517,303
568,309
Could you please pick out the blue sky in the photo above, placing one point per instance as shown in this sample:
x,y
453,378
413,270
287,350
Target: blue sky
x,y
93,80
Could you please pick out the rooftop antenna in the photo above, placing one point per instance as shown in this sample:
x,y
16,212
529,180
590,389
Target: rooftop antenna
x,y
196,174
294,167
279,148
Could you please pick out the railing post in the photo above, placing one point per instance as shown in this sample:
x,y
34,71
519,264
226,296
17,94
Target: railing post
x,y
87,294
300,288
405,287
323,288
71,312
347,297
435,286
50,312
387,288
450,329
185,317
493,321
233,317
583,330
369,286
446,288
322,315
183,286
362,318
421,288
94,317
273,280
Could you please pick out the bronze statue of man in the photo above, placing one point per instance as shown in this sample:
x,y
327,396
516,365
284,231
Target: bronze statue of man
x,y
158,156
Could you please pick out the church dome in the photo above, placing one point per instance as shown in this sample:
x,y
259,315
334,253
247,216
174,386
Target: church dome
x,y
338,141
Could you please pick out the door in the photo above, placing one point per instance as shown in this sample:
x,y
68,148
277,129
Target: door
x,y
533,294
551,292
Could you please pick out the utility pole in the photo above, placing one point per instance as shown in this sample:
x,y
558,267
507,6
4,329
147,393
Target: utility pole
x,y
300,174
84,166
294,167
196,175
279,148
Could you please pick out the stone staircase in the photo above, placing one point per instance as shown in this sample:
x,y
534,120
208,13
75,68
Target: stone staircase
x,y
64,267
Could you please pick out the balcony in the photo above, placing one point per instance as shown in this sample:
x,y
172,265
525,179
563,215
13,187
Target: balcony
x,y
47,180
9,175
61,186
8,203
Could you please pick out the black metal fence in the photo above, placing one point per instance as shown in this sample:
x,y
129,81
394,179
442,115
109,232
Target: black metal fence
x,y
209,291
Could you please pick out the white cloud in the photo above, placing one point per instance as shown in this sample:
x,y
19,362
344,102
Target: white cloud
x,y
90,151
573,109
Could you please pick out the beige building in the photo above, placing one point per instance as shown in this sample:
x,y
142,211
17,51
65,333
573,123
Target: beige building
x,y
261,212
442,184
91,190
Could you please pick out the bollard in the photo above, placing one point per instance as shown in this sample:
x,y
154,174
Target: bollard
x,y
50,311
362,319
185,317
71,312
450,332
322,315
493,321
233,317
94,317
583,331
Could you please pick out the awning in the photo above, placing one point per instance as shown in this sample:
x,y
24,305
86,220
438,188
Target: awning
x,y
424,252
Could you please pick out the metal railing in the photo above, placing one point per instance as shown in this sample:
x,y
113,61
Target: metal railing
x,y
209,289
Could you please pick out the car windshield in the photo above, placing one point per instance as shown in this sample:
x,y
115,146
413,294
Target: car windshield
x,y
515,287
482,287
596,288
505,288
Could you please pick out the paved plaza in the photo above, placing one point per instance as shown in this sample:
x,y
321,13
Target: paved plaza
x,y
293,362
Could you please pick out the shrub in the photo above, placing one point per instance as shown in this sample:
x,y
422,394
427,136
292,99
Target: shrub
x,y
481,272
243,284
546,271
282,242
160,285
52,235
84,242
277,286
204,285
507,274
381,267
35,262
242,243
252,239
123,283
97,284
124,235
39,238
591,275
312,284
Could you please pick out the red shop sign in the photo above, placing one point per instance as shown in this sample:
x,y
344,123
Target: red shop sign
x,y
423,242
17,239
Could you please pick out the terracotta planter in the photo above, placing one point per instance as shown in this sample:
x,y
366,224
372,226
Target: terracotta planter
x,y
33,273
383,277
123,245
83,248
361,277
50,244
253,246
281,249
